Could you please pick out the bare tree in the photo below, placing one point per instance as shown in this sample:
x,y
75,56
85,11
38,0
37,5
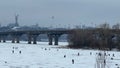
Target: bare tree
x,y
101,60
104,26
116,26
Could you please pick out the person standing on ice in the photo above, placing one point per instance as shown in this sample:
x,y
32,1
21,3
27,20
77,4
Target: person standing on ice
x,y
64,56
90,53
5,61
13,47
12,51
78,53
113,55
19,52
72,61
45,48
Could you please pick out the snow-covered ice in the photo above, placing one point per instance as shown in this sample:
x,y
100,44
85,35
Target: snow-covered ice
x,y
42,55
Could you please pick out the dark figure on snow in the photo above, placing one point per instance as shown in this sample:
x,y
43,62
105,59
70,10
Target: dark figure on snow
x,y
118,67
20,52
13,47
113,55
105,54
78,54
111,58
116,64
99,54
90,53
72,61
45,48
12,51
5,61
64,56
104,61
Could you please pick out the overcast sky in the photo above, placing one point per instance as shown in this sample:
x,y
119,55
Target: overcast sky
x,y
65,12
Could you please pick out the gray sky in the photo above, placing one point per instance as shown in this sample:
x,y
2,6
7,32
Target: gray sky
x,y
65,12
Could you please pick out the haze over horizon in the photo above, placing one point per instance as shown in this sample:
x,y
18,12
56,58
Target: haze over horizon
x,y
60,13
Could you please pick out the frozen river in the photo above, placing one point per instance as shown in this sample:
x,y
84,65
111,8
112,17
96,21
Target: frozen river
x,y
25,55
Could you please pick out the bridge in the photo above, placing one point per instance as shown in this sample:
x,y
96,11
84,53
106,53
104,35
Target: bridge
x,y
32,35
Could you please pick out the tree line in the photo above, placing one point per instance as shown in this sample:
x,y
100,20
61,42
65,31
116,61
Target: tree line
x,y
101,37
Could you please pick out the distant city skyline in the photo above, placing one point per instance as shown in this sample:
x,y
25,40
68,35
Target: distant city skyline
x,y
60,13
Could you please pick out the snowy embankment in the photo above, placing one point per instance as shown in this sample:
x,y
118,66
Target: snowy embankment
x,y
48,56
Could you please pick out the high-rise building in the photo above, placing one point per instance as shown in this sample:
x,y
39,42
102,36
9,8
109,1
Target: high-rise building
x,y
16,20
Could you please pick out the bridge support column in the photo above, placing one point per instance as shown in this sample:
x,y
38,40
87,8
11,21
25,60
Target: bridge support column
x,y
0,39
17,39
34,39
50,39
13,40
4,39
29,39
56,37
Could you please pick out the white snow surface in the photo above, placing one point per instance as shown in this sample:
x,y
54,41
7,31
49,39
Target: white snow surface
x,y
35,56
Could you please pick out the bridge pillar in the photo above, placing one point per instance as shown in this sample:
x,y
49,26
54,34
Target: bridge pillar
x,y
13,40
35,39
56,37
0,38
50,38
17,39
4,39
29,39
